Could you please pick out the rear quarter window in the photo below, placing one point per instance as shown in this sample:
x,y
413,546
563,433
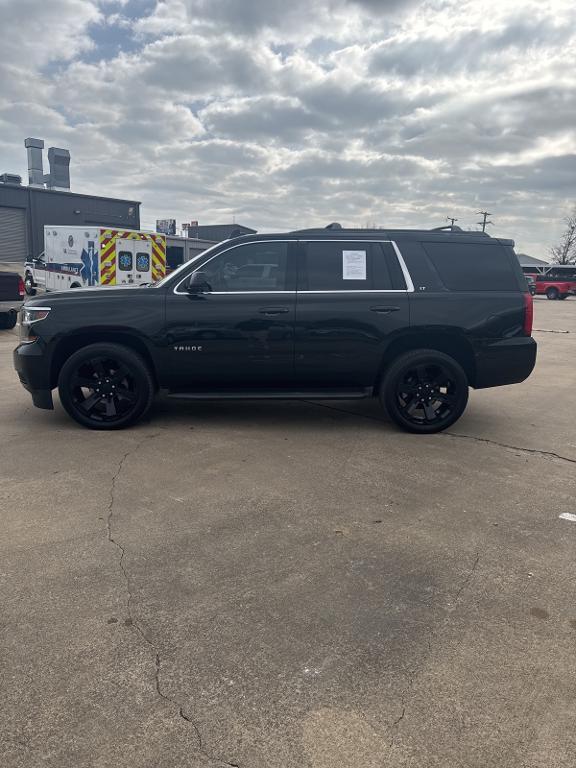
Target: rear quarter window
x,y
472,266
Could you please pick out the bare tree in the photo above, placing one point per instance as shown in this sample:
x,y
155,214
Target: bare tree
x,y
565,251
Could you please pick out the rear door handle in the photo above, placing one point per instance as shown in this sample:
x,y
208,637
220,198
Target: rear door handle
x,y
273,310
384,310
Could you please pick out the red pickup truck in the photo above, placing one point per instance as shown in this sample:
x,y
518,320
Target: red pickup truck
x,y
554,288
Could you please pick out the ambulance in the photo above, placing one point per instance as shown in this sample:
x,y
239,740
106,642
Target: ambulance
x,y
93,257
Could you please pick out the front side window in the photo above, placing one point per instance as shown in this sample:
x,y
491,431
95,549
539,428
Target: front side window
x,y
125,261
250,267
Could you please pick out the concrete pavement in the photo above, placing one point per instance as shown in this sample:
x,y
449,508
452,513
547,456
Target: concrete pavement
x,y
293,584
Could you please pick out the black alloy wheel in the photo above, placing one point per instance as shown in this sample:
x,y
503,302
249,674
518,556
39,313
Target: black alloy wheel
x,y
425,391
106,386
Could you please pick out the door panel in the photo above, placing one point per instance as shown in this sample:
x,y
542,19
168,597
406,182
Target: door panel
x,y
240,332
342,332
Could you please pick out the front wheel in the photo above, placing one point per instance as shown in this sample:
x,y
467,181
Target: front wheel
x,y
106,386
29,286
424,391
552,293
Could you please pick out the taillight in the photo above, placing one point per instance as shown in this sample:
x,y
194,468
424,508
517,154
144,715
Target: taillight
x,y
528,313
21,290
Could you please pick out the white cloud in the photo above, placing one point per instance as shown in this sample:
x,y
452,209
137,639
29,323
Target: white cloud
x,y
292,114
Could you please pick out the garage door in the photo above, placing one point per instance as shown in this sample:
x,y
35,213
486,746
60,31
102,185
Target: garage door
x,y
12,234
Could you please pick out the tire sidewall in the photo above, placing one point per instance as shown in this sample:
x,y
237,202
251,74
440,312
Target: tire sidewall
x,y
552,294
8,320
398,368
135,364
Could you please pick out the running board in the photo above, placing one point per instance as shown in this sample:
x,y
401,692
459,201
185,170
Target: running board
x,y
276,394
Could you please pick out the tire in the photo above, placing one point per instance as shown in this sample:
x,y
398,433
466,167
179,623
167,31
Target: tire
x,y
29,285
424,391
106,386
8,320
75,285
552,293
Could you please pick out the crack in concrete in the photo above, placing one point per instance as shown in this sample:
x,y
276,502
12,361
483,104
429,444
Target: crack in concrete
x,y
403,703
536,451
134,622
550,454
467,580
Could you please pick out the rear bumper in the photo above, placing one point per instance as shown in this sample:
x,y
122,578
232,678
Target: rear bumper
x,y
10,306
33,371
506,361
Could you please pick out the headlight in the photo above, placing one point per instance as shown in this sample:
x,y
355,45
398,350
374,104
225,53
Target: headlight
x,y
33,314
29,316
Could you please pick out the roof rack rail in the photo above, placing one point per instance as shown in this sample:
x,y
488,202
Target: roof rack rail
x,y
447,228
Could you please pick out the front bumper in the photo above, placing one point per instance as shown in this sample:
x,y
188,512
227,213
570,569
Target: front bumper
x,y
506,361
33,370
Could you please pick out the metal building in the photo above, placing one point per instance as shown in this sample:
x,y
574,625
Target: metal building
x,y
24,210
219,232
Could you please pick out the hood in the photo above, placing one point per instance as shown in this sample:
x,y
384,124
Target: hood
x,y
87,294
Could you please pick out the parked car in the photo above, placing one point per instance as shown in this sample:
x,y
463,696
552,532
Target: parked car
x,y
554,288
11,297
413,318
531,284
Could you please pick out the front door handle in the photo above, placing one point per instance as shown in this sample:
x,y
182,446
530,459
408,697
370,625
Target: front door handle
x,y
273,310
384,310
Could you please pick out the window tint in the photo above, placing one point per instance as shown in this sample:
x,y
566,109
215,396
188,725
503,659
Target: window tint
x,y
125,261
472,267
387,271
250,267
346,266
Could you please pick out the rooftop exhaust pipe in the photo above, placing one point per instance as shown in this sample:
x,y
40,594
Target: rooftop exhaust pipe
x,y
58,159
34,148
59,176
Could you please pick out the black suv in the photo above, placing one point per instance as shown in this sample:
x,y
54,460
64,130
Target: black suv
x,y
412,317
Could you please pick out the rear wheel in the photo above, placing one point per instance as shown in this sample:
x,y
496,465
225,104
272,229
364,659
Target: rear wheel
x,y
7,320
424,391
552,293
106,386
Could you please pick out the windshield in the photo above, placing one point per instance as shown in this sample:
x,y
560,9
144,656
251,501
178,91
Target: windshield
x,y
182,267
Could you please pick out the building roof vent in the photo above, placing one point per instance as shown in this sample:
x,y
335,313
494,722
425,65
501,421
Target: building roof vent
x,y
11,179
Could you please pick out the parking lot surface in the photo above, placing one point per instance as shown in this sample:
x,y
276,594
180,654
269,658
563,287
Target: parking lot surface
x,y
293,584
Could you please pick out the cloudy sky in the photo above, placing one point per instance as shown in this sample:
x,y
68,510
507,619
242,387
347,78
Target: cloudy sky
x,y
291,113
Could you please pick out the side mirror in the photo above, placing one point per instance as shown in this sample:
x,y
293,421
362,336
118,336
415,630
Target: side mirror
x,y
197,283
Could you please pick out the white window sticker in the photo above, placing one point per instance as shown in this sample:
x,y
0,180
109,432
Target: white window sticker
x,y
354,265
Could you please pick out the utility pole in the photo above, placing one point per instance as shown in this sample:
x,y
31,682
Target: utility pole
x,y
451,220
484,221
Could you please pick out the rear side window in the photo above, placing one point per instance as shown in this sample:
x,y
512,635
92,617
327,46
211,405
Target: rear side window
x,y
351,266
472,266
